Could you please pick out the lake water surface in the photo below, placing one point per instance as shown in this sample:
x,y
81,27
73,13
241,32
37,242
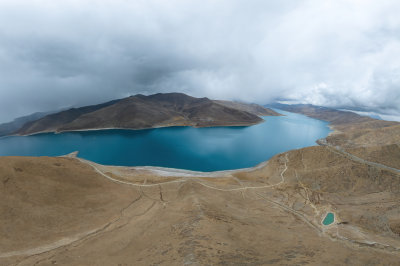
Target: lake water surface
x,y
201,149
329,218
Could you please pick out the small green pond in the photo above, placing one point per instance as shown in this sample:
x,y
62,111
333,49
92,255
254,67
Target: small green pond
x,y
329,218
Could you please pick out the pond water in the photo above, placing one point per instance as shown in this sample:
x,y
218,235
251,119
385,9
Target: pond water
x,y
329,218
200,149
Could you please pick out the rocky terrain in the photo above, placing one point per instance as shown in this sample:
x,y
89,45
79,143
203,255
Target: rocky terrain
x,y
158,110
69,211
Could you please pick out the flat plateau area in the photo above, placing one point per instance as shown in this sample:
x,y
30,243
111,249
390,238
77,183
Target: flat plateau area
x,y
69,211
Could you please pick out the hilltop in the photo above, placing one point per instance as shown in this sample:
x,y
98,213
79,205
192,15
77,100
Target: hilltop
x,y
11,127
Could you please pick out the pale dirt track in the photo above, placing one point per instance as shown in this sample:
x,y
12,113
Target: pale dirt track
x,y
360,160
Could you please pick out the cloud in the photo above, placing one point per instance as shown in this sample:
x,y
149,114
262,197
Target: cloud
x,y
335,53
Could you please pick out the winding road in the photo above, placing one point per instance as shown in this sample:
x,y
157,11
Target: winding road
x,y
352,157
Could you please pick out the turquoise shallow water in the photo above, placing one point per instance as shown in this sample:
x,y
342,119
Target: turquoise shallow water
x,y
329,218
201,149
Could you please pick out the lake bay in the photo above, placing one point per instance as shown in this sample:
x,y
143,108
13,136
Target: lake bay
x,y
199,149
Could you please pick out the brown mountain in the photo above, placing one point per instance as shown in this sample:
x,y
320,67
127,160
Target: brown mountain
x,y
158,110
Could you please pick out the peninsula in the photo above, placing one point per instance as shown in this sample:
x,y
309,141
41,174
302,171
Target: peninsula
x,y
158,110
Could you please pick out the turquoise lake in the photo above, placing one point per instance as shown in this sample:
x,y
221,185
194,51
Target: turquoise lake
x,y
200,149
329,218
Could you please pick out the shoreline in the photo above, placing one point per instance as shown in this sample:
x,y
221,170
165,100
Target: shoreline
x,y
134,129
176,172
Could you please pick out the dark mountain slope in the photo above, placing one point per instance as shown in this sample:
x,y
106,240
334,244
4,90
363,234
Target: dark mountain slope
x,y
11,127
54,121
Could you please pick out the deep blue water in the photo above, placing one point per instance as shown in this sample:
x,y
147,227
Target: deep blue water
x,y
202,149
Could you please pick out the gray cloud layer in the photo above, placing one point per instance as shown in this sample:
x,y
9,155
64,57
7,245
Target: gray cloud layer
x,y
340,53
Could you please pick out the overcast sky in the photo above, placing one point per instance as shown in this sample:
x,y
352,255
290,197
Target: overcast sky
x,y
339,53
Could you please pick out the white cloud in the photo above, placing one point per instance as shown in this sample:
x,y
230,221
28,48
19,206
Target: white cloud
x,y
339,53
